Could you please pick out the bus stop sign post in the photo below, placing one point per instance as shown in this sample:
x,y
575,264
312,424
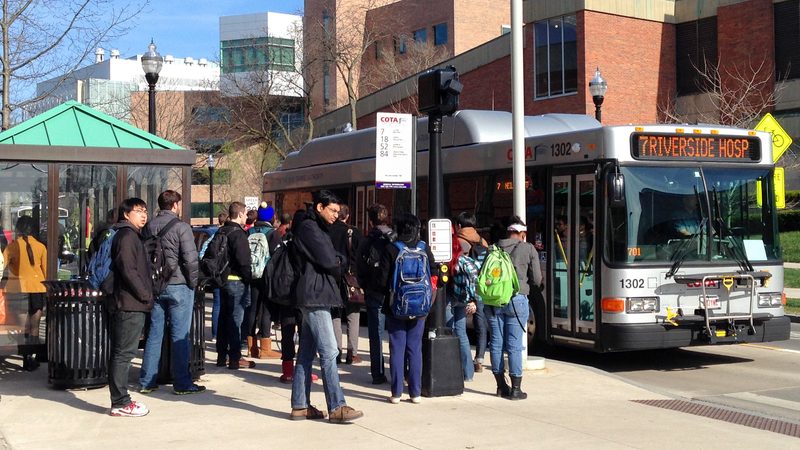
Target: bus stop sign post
x,y
442,373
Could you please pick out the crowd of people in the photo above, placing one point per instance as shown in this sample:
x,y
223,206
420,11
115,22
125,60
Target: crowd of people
x,y
325,249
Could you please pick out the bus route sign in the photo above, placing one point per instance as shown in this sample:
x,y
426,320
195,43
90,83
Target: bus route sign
x,y
693,147
780,138
393,151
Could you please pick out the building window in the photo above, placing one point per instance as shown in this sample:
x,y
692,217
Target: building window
x,y
400,45
377,49
505,29
326,85
263,53
787,37
440,34
696,54
326,22
555,56
421,35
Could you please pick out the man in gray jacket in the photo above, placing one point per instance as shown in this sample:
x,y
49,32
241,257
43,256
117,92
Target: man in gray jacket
x,y
507,323
177,300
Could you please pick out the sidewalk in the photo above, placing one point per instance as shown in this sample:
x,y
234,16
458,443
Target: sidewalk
x,y
568,406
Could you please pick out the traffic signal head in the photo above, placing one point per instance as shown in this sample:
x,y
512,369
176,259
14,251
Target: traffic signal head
x,y
438,91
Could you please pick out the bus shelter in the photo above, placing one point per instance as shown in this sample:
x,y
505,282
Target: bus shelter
x,y
67,171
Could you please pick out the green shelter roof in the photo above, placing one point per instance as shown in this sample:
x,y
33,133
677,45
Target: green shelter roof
x,y
77,125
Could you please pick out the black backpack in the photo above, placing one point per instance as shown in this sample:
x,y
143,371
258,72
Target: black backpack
x,y
478,252
215,262
368,262
282,273
160,271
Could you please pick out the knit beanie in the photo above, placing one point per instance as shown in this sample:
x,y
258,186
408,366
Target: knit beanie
x,y
265,212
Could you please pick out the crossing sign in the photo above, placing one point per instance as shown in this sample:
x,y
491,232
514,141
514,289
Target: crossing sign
x,y
780,138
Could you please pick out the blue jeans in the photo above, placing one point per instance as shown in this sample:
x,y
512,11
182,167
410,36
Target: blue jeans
x,y
177,301
481,325
376,323
457,320
316,334
507,334
234,300
215,313
405,345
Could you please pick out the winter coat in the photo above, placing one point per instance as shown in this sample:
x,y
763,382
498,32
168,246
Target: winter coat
x,y
133,287
338,233
375,282
467,237
238,251
322,265
24,277
180,250
526,262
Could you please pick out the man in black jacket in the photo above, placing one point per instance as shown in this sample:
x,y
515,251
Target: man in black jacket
x,y
177,300
236,291
133,298
318,292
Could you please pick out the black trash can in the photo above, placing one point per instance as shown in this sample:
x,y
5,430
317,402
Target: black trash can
x,y
197,351
78,342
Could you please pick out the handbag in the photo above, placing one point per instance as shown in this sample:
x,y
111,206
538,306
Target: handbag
x,y
354,292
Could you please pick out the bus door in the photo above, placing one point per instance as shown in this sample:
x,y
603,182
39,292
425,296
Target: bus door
x,y
571,284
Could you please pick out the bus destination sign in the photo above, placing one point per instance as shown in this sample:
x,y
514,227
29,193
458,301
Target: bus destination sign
x,y
664,146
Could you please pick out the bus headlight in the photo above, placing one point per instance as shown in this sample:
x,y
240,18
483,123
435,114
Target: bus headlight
x,y
769,300
642,304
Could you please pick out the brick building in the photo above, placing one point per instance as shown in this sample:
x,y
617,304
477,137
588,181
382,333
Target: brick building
x,y
653,54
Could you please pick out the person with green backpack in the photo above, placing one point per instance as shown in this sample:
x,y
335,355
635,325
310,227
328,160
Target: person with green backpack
x,y
504,284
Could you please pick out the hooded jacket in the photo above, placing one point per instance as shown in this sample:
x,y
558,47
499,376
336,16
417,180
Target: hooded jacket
x,y
180,250
526,262
238,251
374,281
467,237
133,288
322,266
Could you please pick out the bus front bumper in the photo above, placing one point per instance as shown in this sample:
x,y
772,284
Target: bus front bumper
x,y
624,337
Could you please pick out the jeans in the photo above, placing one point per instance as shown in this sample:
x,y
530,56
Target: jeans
x,y
235,298
376,323
317,335
480,325
457,320
126,328
405,345
215,313
177,301
507,334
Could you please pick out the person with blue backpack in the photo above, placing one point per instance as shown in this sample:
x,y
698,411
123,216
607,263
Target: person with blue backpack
x,y
408,303
508,312
176,301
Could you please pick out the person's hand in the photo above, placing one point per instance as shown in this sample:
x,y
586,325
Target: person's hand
x,y
471,308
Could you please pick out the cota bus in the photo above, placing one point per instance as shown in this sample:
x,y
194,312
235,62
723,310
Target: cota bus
x,y
651,236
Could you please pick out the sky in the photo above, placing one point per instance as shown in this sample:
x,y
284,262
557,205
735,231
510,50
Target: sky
x,y
184,28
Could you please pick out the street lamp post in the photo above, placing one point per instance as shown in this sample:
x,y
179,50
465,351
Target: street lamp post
x,y
598,88
211,163
151,64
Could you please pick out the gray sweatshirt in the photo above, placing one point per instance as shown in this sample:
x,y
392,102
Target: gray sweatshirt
x,y
525,260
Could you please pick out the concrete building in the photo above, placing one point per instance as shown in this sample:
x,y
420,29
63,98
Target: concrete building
x,y
649,51
261,51
107,84
388,37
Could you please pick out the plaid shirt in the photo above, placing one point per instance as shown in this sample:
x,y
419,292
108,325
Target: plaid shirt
x,y
464,279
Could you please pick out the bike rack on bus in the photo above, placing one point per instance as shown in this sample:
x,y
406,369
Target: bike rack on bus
x,y
728,280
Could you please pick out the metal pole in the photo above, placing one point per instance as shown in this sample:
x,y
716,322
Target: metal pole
x,y
151,115
597,104
436,206
211,196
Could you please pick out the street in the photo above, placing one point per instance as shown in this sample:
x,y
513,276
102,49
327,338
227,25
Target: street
x,y
760,379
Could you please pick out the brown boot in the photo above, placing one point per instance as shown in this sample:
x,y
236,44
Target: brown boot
x,y
266,351
252,346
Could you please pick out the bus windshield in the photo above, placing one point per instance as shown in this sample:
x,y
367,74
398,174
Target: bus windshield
x,y
694,214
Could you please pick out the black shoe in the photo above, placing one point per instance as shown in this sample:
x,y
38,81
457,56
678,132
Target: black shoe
x,y
29,363
516,391
193,389
379,379
221,362
503,389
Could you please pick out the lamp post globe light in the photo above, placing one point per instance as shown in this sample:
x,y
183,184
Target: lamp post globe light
x,y
211,163
598,88
151,64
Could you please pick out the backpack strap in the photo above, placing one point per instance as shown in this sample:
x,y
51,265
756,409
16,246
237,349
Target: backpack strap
x,y
421,245
166,228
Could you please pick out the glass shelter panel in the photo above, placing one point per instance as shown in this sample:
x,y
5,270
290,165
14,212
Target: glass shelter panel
x,y
87,193
147,182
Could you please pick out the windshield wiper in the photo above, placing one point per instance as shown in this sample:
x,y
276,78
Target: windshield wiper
x,y
683,251
737,248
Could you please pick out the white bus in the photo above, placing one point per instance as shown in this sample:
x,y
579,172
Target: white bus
x,y
651,236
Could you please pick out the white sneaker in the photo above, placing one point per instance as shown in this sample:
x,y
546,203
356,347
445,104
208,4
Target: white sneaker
x,y
394,400
416,399
133,409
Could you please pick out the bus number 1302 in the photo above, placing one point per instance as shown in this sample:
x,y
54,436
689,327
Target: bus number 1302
x,y
631,283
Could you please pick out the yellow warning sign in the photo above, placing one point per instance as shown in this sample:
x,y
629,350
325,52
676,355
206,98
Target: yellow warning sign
x,y
780,138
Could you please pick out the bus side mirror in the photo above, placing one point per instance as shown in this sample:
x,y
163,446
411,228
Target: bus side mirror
x,y
616,190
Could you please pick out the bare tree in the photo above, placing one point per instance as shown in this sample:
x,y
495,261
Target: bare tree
x,y
43,38
736,96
